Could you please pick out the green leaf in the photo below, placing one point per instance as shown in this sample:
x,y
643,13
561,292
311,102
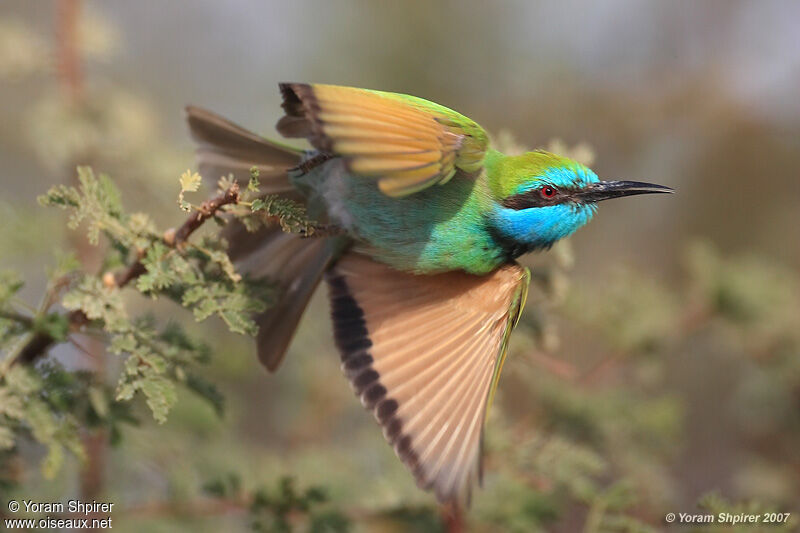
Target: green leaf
x,y
190,182
291,215
54,432
161,396
6,438
125,391
10,284
239,322
10,403
206,390
66,263
141,223
233,306
225,182
55,325
221,258
228,486
98,302
22,381
165,268
97,201
53,461
254,183
99,401
123,343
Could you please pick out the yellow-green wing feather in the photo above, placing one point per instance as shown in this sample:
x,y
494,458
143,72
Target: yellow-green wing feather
x,y
406,143
515,312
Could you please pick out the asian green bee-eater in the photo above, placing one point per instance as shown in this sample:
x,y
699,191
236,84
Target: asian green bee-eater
x,y
423,283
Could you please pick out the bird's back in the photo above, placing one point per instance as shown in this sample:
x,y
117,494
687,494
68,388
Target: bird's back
x,y
435,230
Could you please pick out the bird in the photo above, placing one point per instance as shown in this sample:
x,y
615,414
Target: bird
x,y
422,277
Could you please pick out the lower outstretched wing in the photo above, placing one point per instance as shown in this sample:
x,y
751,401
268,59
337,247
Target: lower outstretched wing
x,y
424,354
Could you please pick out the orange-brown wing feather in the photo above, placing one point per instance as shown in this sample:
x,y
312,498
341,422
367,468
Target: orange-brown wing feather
x,y
421,352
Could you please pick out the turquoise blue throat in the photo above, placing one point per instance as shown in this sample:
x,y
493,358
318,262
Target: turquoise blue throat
x,y
540,227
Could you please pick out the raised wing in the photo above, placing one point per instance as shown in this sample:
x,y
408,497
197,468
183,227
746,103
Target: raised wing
x,y
424,354
405,142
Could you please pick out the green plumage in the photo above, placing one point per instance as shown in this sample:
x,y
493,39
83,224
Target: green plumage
x,y
424,232
415,186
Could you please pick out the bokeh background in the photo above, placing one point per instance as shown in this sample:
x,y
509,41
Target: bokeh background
x,y
657,368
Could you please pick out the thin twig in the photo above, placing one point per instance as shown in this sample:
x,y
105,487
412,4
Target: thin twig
x,y
69,68
52,293
206,210
16,317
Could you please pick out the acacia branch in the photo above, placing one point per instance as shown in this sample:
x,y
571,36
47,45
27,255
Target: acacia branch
x,y
68,59
16,317
41,342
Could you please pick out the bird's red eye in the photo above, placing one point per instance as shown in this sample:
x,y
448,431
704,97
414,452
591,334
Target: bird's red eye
x,y
548,192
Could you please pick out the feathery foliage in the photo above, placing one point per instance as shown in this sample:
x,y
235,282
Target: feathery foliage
x,y
599,438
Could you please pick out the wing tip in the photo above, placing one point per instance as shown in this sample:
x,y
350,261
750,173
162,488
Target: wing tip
x,y
190,109
293,94
302,112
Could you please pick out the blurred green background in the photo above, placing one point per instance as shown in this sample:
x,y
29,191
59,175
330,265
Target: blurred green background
x,y
658,360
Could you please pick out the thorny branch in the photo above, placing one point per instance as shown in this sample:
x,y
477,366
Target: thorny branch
x,y
16,317
38,345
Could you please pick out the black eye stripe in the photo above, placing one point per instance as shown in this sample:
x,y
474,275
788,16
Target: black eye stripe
x,y
534,198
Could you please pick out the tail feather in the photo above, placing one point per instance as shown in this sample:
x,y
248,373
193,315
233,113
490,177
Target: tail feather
x,y
294,263
227,148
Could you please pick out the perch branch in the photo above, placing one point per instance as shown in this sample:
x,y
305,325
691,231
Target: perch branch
x,y
39,343
16,317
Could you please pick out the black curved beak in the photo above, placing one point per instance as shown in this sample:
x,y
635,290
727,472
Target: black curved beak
x,y
606,190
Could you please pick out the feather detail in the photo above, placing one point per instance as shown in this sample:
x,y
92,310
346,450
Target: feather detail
x,y
423,353
294,264
225,148
406,143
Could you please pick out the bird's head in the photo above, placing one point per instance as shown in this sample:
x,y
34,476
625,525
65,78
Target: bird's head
x,y
540,197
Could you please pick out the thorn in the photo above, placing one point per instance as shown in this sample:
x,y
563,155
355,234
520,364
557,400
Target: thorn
x,y
169,237
109,281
